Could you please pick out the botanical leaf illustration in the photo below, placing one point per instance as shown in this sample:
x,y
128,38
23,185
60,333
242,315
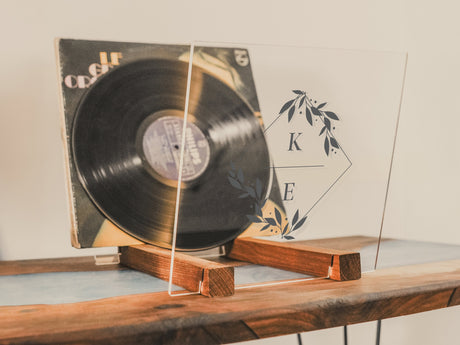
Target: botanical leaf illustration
x,y
234,182
265,227
271,221
308,116
251,191
236,179
302,99
286,228
278,216
322,130
331,115
293,107
300,223
258,209
322,105
334,142
326,145
286,106
325,116
291,113
315,111
295,218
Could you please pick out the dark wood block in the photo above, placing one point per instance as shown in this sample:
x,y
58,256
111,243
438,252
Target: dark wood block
x,y
346,266
297,257
216,279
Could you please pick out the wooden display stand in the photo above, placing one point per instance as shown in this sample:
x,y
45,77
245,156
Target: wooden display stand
x,y
215,277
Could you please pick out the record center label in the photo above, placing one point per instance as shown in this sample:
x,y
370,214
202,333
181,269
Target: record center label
x,y
161,145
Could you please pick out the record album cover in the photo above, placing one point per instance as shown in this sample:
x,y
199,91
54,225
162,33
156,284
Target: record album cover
x,y
90,73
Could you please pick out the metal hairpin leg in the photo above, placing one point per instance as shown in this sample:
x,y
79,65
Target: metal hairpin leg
x,y
379,328
345,334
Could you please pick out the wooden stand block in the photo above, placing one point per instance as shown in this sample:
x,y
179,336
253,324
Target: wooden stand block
x,y
216,279
213,278
297,257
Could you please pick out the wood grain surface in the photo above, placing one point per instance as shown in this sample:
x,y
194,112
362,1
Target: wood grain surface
x,y
190,272
77,264
298,257
249,314
348,243
81,264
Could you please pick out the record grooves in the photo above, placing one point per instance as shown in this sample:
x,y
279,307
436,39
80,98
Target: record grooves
x,y
124,168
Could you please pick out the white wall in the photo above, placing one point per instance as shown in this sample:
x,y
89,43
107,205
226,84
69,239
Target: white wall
x,y
425,191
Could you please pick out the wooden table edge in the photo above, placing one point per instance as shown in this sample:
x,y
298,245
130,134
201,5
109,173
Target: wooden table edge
x,y
250,314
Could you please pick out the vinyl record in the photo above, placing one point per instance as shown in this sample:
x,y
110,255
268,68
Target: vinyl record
x,y
126,142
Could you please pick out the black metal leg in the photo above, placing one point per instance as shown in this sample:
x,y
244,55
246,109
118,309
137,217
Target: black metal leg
x,y
345,334
299,339
379,328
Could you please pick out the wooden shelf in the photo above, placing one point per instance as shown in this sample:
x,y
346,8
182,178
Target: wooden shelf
x,y
251,313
